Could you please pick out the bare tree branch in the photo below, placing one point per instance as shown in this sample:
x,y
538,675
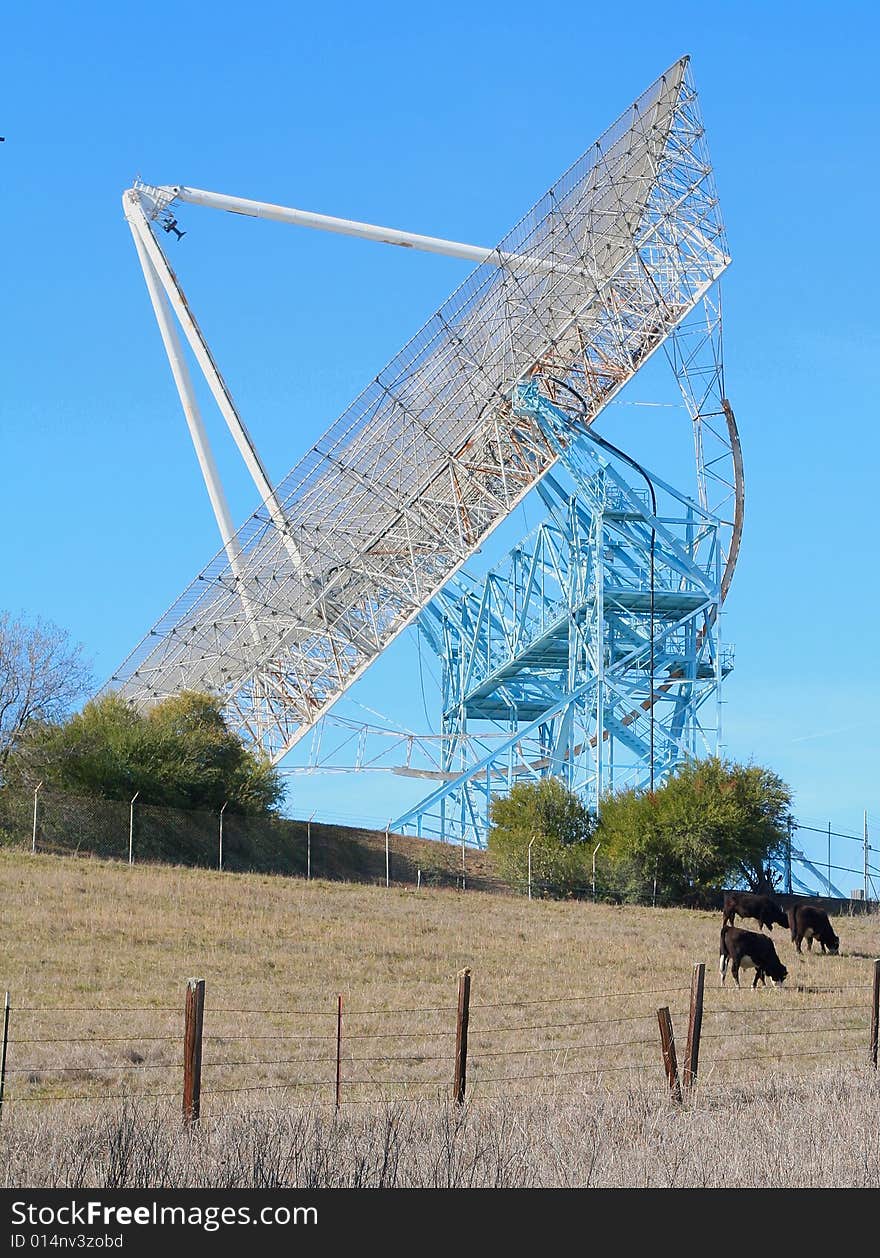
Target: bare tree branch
x,y
42,675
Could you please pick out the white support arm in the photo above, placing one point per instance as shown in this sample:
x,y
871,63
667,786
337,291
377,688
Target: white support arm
x,y
139,225
342,226
204,453
180,372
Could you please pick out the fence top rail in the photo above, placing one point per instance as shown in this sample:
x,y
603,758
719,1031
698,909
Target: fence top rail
x,y
813,1052
96,1039
99,1098
800,1030
562,1048
298,1013
574,999
745,1013
39,1068
95,1008
287,1038
553,1026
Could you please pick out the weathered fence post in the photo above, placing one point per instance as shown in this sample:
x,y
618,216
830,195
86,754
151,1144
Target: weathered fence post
x,y
309,848
387,856
875,1012
667,1044
338,1051
461,1034
36,796
531,841
3,1051
695,1026
192,1049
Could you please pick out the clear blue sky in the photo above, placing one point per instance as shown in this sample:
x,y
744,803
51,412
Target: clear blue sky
x,y
450,120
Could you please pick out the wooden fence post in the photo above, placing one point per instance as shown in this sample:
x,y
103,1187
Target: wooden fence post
x,y
875,1012
338,1051
192,1049
461,1034
3,1051
695,1026
667,1044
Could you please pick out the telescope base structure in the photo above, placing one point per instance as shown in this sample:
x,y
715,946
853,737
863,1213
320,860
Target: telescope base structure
x,y
553,648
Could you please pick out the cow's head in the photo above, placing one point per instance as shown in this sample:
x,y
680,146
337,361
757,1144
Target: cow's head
x,y
780,976
833,944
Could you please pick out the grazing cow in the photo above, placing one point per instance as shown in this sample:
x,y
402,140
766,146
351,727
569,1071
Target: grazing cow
x,y
747,904
744,949
808,922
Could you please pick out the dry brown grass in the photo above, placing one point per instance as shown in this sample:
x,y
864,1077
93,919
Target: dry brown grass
x,y
816,1132
82,937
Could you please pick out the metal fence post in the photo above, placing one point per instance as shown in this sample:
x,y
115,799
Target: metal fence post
x,y
309,848
387,855
875,1012
531,841
3,1051
220,852
131,828
338,1051
36,794
192,1049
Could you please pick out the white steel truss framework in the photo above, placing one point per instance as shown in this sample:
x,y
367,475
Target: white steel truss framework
x,y
389,504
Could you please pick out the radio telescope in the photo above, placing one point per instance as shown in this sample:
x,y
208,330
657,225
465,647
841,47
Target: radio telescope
x,y
592,651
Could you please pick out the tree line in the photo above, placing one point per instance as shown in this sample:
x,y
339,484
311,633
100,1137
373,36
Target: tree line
x,y
180,753
712,823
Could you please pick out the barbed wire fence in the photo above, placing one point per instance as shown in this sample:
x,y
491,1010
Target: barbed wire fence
x,y
57,822
345,1055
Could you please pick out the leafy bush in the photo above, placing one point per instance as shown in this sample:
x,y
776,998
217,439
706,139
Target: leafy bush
x,y
558,825
713,823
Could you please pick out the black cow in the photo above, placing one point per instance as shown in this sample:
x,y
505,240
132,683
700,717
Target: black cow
x,y
747,904
808,922
744,949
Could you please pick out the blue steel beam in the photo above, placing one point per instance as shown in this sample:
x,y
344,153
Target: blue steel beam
x,y
553,646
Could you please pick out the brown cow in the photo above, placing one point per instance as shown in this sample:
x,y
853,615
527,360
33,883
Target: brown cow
x,y
808,922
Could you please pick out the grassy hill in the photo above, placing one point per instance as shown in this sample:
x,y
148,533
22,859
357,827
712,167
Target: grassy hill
x,y
96,956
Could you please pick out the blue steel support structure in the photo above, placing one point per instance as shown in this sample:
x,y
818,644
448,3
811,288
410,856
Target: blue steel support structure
x,y
553,647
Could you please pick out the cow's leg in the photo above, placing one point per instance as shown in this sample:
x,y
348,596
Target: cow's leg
x,y
809,943
734,969
797,944
722,966
822,946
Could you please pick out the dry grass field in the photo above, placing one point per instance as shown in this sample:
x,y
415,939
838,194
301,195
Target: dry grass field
x,y
564,1067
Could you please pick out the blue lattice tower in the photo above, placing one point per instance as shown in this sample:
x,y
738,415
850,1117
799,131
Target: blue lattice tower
x,y
546,661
